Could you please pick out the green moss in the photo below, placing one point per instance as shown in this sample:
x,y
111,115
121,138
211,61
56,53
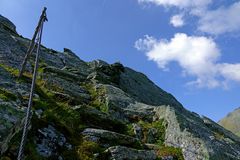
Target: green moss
x,y
70,155
39,104
41,68
5,158
55,88
30,147
26,77
31,152
238,133
97,97
102,106
7,95
8,125
3,97
158,125
130,130
11,70
65,119
176,153
219,136
87,149
8,109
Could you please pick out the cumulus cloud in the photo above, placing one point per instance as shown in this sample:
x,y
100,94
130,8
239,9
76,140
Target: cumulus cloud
x,y
222,20
212,21
177,20
230,71
197,56
182,4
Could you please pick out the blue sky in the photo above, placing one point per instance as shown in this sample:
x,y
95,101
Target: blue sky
x,y
188,48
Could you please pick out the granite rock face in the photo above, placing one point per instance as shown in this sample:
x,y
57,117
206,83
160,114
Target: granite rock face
x,y
96,110
122,153
49,140
108,138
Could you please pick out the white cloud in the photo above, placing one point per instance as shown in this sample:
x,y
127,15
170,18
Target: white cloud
x,y
182,4
230,71
211,21
177,20
197,56
222,20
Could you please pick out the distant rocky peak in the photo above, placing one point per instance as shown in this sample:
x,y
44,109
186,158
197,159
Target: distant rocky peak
x,y
7,24
69,52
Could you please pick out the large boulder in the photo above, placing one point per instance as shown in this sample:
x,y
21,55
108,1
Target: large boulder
x,y
49,142
125,153
108,138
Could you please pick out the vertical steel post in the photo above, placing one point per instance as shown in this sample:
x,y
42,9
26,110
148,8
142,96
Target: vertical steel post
x,y
32,43
28,114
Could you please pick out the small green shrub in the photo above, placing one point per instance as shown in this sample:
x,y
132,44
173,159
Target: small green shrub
x,y
219,136
87,149
5,158
31,152
130,130
97,95
11,70
176,153
7,95
157,125
238,134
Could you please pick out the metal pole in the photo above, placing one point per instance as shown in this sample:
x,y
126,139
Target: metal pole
x,y
28,115
32,44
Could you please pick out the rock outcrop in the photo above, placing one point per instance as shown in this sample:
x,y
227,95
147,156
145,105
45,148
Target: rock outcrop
x,y
122,153
96,110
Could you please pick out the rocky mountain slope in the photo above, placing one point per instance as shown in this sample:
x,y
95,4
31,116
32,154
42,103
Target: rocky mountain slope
x,y
232,121
95,110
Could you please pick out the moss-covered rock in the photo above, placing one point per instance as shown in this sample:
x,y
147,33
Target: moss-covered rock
x,y
108,138
125,153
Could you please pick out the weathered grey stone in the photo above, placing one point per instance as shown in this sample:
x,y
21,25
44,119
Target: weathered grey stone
x,y
137,131
125,153
108,138
65,82
49,140
11,120
152,133
11,51
73,61
138,86
92,117
189,132
101,72
123,107
167,158
39,113
97,64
